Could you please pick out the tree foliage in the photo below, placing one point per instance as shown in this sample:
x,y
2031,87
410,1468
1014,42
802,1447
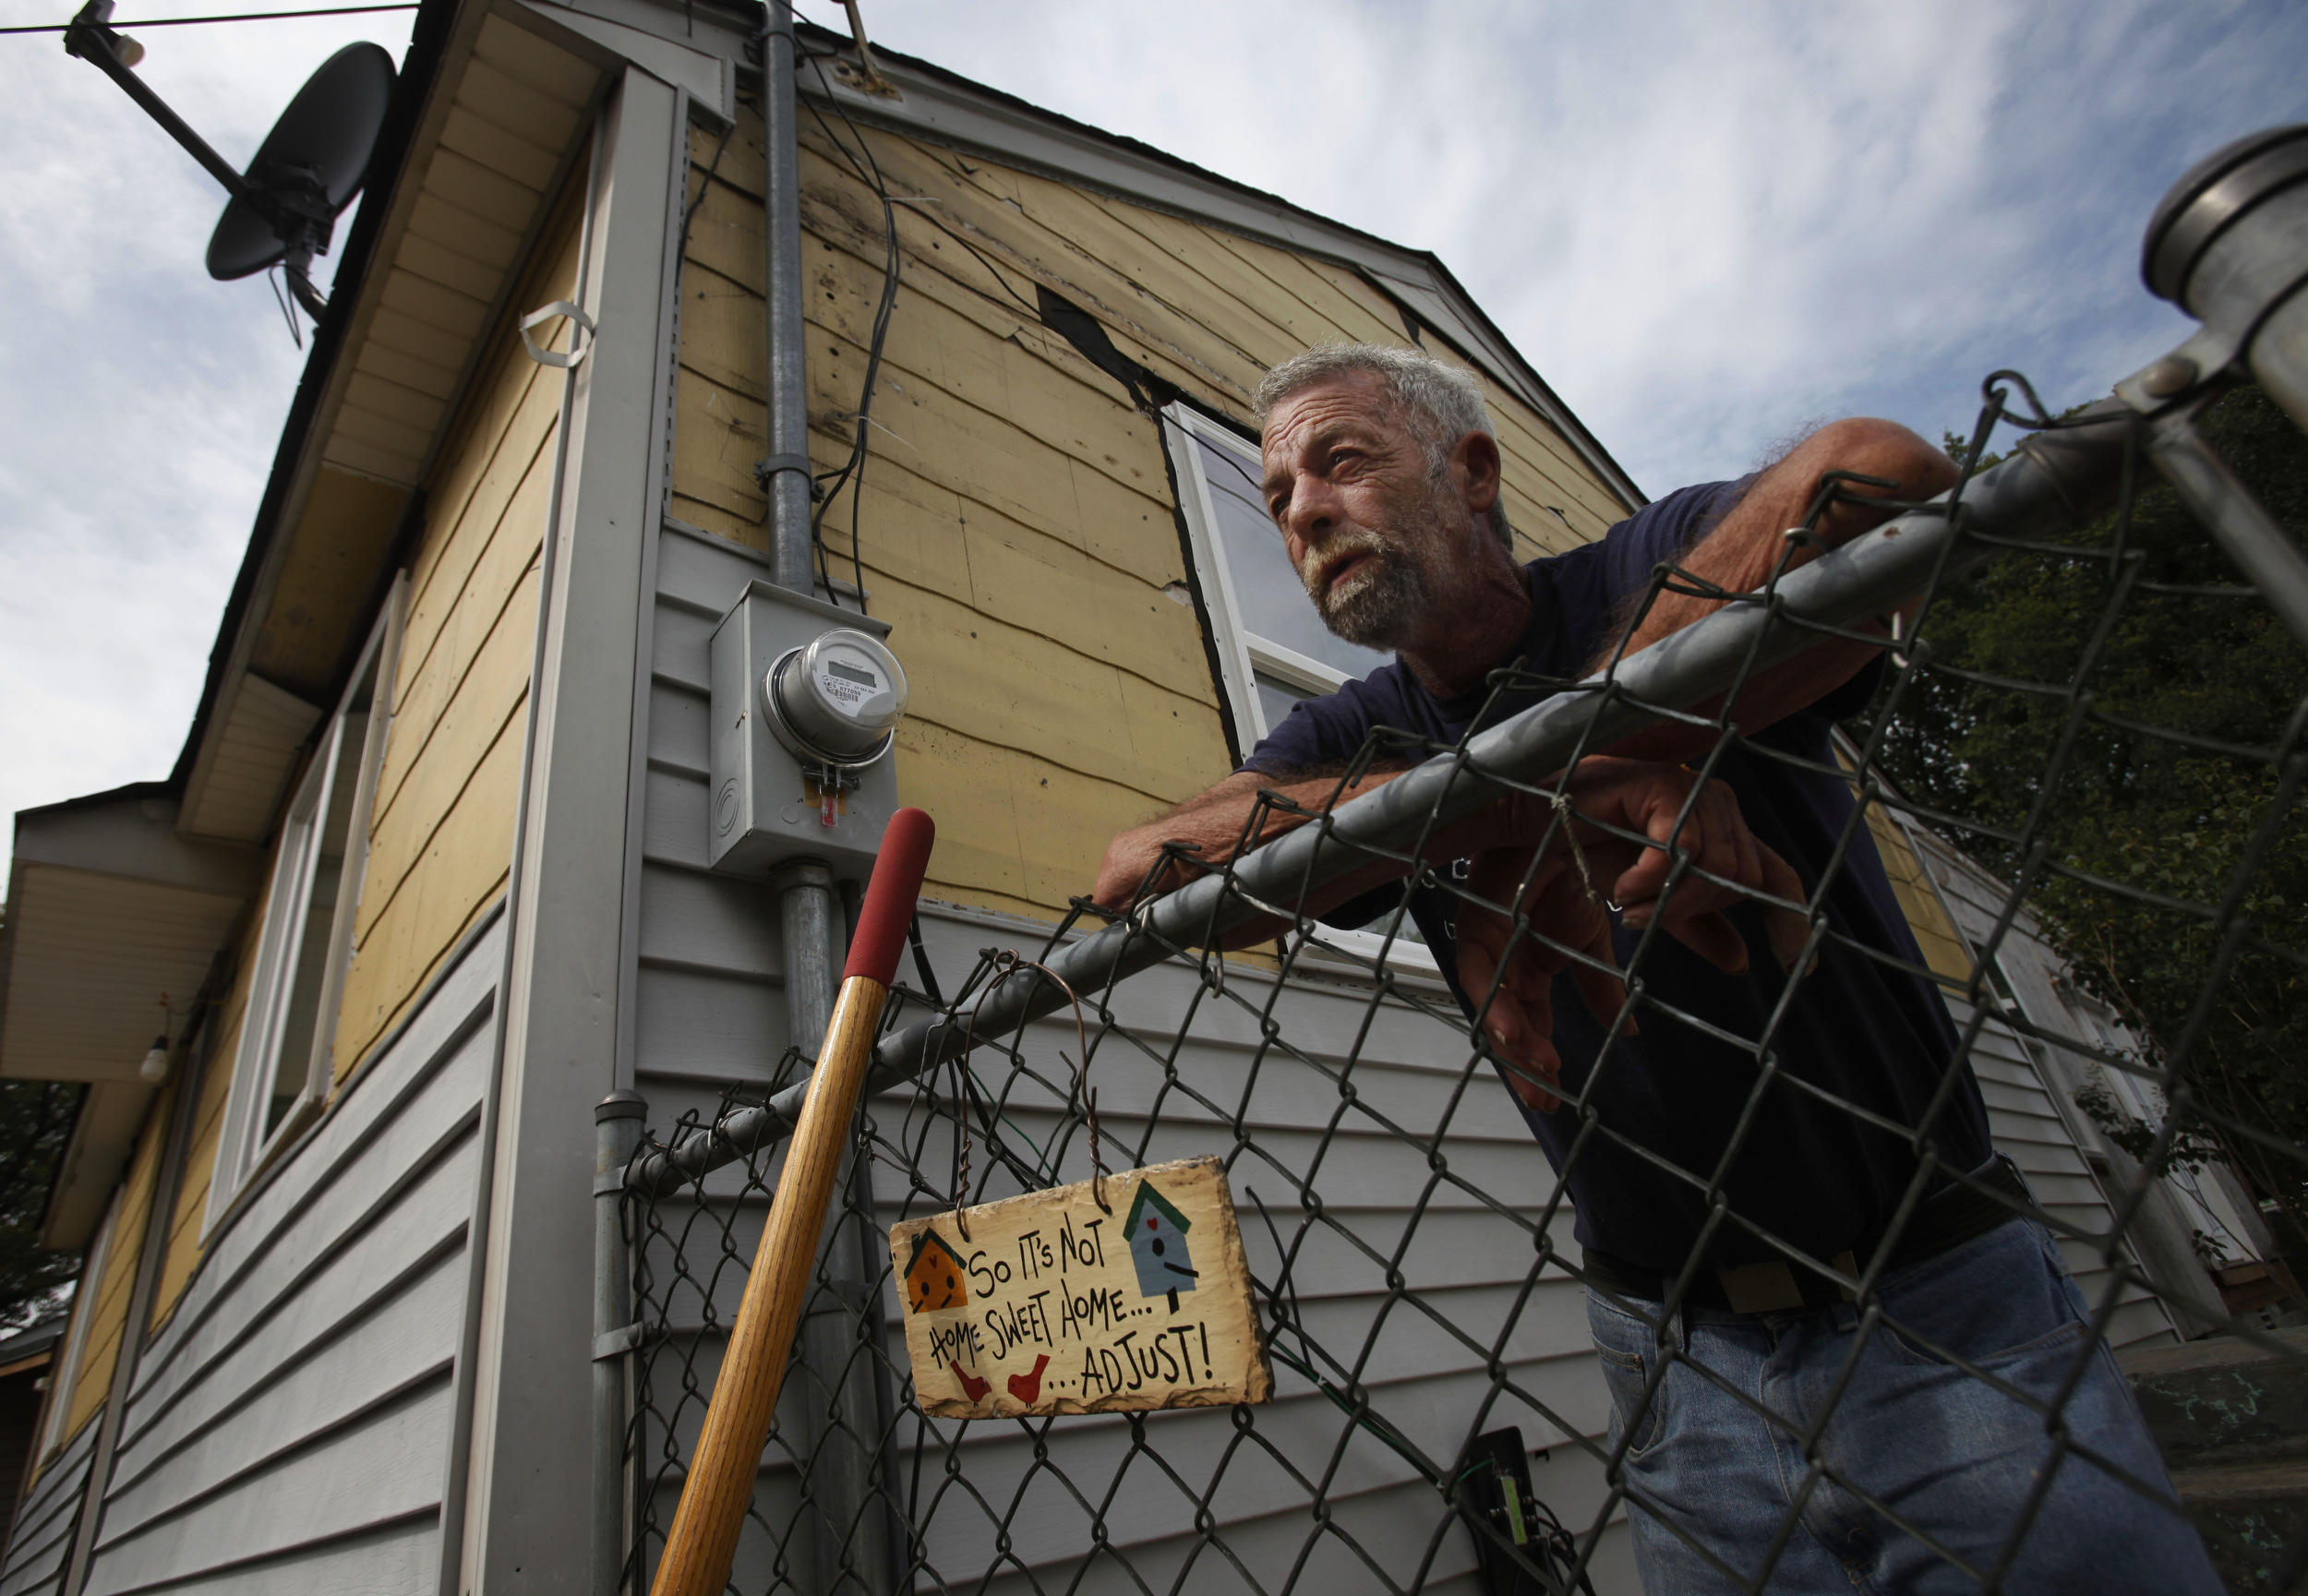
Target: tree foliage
x,y
35,1121
2135,822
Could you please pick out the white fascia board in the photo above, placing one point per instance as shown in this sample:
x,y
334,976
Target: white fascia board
x,y
136,837
103,1138
704,64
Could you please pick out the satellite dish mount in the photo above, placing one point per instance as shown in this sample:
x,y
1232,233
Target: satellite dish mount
x,y
283,209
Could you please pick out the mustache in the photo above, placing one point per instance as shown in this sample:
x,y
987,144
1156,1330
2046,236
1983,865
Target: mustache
x,y
1318,570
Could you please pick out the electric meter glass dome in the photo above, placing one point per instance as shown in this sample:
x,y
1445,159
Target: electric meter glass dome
x,y
839,697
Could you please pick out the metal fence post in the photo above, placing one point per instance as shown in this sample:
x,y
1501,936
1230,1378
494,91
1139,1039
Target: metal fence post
x,y
2229,245
617,1121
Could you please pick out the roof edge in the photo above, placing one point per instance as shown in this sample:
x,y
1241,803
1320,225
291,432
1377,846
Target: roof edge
x,y
1350,247
420,68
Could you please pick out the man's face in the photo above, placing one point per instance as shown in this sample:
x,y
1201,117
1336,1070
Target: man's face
x,y
1369,533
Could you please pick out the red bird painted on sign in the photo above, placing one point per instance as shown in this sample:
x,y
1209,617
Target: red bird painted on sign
x,y
972,1386
1027,1388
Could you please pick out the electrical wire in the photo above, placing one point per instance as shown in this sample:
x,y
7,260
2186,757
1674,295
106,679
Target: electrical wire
x,y
851,473
119,26
947,228
689,213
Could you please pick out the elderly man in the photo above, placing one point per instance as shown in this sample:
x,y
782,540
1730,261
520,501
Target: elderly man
x,y
1383,479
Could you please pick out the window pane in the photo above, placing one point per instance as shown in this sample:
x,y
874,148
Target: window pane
x,y
309,972
1273,601
1275,698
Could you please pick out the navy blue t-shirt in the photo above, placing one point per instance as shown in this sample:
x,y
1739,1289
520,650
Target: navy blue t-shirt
x,y
1808,1170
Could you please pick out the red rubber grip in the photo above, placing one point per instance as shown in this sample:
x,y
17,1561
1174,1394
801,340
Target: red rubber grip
x,y
889,900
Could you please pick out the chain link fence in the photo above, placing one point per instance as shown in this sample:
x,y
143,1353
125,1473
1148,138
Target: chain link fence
x,y
2016,940
2088,736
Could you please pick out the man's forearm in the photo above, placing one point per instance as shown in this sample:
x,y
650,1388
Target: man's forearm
x,y
1206,830
1740,555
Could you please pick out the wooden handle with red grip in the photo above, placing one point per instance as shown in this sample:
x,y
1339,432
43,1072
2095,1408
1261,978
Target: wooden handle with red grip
x,y
720,1483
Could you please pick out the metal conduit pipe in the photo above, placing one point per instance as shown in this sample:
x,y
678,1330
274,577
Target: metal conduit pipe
x,y
2054,480
841,1398
785,473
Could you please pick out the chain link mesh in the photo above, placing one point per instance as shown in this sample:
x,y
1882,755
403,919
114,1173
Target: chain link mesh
x,y
2085,756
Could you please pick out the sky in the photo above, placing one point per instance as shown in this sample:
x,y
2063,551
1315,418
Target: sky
x,y
1709,226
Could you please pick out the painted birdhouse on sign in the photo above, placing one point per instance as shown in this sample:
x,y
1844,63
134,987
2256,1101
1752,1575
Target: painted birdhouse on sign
x,y
937,1278
1158,1245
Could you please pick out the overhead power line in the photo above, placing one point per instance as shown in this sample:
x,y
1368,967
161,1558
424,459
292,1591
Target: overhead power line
x,y
117,26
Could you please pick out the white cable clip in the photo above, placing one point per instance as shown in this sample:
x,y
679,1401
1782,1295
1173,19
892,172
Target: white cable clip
x,y
545,357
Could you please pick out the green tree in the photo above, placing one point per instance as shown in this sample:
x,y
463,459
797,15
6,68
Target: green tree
x,y
2165,787
35,1121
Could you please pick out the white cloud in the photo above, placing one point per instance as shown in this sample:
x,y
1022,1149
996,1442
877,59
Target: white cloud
x,y
1703,224
141,403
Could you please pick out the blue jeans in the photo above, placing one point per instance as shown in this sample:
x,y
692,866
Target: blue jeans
x,y
1949,1454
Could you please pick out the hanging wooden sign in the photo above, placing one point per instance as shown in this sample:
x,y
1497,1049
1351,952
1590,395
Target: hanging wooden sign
x,y
1053,1304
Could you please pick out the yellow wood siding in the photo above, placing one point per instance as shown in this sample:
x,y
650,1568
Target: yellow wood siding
x,y
1943,948
441,833
105,1300
1017,526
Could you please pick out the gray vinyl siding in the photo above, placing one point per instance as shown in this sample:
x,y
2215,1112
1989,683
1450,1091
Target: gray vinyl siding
x,y
2030,1126
289,1427
40,1542
711,1012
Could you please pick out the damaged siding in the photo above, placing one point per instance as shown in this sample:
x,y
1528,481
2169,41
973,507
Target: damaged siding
x,y
1017,523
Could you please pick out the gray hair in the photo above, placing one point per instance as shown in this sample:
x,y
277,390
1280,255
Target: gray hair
x,y
1440,403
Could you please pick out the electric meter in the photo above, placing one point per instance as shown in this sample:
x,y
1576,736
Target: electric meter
x,y
836,699
806,700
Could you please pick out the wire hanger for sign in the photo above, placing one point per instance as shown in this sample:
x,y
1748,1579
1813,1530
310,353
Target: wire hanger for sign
x,y
1008,963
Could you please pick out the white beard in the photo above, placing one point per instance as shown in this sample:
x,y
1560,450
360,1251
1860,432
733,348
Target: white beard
x,y
1382,605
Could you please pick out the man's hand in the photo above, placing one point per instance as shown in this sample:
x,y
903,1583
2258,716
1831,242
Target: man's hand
x,y
1585,865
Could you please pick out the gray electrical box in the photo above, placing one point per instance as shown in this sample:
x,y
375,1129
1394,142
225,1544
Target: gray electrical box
x,y
806,700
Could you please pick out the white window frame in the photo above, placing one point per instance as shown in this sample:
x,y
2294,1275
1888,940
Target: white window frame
x,y
1242,653
64,1374
244,1146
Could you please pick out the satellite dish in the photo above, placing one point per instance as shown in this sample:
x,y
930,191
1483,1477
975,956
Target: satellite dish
x,y
285,206
310,165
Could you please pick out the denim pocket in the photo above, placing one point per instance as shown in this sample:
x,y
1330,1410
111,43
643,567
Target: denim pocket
x,y
1627,1351
1909,1350
1997,1300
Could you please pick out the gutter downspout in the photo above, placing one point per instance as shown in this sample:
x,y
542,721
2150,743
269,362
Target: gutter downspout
x,y
841,1406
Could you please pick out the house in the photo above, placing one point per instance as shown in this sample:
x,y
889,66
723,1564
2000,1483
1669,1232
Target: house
x,y
1158,1245
937,1278
435,856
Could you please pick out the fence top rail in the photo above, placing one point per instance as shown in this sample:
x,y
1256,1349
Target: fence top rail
x,y
2057,479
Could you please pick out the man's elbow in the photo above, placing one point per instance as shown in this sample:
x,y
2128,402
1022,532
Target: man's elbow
x,y
1870,446
1129,859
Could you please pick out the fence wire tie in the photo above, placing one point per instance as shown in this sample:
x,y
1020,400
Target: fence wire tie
x,y
1560,801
